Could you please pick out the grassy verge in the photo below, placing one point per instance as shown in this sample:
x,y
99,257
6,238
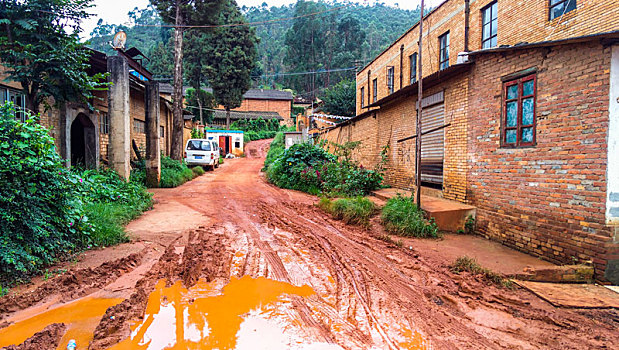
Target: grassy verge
x,y
198,170
401,216
356,210
386,238
464,263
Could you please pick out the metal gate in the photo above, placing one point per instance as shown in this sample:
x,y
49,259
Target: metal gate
x,y
432,144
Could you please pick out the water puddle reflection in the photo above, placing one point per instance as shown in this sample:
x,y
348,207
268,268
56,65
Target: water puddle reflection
x,y
81,318
202,318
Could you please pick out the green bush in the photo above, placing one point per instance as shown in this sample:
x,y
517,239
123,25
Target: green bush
x,y
356,210
48,212
41,211
198,170
465,263
402,217
111,203
310,168
173,173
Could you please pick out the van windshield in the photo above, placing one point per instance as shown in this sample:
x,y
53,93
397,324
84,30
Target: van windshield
x,y
198,145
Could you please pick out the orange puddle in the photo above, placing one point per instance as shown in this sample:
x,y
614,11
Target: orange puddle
x,y
81,318
199,318
415,340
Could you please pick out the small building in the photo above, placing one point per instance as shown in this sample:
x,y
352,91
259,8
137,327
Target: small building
x,y
294,137
83,135
230,141
519,120
219,117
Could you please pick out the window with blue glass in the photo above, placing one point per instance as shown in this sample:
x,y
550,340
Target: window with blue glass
x,y
519,112
560,7
489,26
443,58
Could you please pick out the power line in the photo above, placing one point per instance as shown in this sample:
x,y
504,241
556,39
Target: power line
x,y
305,73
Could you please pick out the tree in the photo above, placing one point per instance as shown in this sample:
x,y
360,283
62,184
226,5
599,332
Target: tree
x,y
198,103
232,60
41,49
340,99
183,13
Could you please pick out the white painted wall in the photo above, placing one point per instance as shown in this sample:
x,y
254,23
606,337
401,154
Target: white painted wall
x,y
612,175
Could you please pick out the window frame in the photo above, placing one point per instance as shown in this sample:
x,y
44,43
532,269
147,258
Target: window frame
x,y
104,123
362,96
559,2
374,90
519,126
413,67
161,131
390,79
443,39
139,124
496,23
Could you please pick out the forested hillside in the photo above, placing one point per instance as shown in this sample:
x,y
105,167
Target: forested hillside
x,y
342,37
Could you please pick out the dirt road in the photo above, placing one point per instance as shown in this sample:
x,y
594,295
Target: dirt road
x,y
229,261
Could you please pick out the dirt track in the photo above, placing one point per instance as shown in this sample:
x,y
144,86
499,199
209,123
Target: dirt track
x,y
192,251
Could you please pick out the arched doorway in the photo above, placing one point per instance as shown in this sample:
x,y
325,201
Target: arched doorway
x,y
83,142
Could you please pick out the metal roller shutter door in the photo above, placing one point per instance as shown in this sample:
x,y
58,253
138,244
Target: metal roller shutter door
x,y
432,144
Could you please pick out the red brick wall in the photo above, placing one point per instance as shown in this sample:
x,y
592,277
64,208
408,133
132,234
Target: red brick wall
x,y
518,21
547,200
282,107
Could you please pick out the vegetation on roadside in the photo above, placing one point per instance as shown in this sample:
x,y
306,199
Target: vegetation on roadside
x,y
258,129
465,263
173,173
401,216
47,212
357,210
310,168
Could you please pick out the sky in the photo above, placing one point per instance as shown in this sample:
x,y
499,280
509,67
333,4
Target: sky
x,y
115,11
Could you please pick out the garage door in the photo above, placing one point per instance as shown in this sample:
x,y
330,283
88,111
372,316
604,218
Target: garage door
x,y
432,144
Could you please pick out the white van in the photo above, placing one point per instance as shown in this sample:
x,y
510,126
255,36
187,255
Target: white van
x,y
202,152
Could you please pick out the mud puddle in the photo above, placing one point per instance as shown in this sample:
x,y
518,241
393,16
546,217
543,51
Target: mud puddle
x,y
246,313
81,318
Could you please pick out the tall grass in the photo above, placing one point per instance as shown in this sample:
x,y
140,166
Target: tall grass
x,y
402,217
356,210
465,263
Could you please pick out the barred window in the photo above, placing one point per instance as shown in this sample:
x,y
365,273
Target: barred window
x,y
104,123
390,79
139,126
362,97
161,131
374,90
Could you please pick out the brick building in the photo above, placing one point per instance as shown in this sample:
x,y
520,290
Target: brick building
x,y
83,136
520,119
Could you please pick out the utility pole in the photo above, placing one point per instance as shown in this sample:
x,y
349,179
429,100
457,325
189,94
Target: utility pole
x,y
419,110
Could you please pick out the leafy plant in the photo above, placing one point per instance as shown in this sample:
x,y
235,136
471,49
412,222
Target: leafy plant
x,y
198,170
340,99
356,210
41,211
173,173
401,216
469,225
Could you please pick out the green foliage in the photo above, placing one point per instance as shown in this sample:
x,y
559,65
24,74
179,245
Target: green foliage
x,y
173,173
196,134
276,149
340,99
402,217
258,129
47,212
357,210
469,225
310,168
41,49
41,213
465,263
198,101
198,170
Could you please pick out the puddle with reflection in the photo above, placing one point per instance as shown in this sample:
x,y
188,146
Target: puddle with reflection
x,y
203,318
81,318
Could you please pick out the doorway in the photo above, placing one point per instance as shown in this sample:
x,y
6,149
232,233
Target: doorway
x,y
225,143
83,142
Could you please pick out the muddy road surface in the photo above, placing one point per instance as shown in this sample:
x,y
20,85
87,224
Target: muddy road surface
x,y
228,261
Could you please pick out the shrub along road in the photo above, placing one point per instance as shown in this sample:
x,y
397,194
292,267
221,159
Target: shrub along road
x,y
230,261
